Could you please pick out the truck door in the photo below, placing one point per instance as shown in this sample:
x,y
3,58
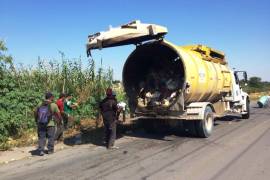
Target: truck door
x,y
237,90
132,33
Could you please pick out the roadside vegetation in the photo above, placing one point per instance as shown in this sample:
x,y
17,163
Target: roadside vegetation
x,y
256,88
22,89
256,85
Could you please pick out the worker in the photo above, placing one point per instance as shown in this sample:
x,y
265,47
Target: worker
x,y
122,108
46,116
69,106
60,125
108,108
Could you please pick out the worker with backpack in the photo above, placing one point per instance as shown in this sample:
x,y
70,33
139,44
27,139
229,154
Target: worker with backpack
x,y
47,115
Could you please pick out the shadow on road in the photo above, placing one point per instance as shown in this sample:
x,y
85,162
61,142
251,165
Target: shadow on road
x,y
159,131
228,118
87,136
95,135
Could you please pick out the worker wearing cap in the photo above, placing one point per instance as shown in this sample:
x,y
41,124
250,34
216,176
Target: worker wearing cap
x,y
46,128
108,108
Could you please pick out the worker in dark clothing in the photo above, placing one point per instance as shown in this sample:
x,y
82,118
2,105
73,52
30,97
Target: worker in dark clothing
x,y
108,108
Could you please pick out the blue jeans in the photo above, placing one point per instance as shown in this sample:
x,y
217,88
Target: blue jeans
x,y
43,133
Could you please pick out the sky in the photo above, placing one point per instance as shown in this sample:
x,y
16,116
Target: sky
x,y
240,28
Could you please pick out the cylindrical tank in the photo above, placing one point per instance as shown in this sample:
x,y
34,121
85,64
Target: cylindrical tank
x,y
199,72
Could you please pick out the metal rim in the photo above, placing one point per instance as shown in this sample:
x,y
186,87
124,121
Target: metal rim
x,y
208,123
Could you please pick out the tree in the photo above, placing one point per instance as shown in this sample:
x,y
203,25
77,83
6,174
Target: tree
x,y
255,82
3,57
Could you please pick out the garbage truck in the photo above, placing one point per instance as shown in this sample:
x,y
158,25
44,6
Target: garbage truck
x,y
192,84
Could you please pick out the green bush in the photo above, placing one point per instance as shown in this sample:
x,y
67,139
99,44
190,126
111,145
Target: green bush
x,y
255,84
23,88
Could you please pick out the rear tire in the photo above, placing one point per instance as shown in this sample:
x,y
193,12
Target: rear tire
x,y
246,116
205,127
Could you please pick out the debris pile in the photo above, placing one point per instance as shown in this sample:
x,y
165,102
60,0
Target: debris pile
x,y
158,90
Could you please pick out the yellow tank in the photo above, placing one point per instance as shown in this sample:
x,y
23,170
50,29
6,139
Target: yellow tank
x,y
197,73
206,72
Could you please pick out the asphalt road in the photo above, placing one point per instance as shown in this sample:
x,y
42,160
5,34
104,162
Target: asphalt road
x,y
238,149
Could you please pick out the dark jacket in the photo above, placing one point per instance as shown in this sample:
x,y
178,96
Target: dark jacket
x,y
108,108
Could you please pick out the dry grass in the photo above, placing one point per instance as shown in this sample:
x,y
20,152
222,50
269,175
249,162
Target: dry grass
x,y
85,124
256,96
28,138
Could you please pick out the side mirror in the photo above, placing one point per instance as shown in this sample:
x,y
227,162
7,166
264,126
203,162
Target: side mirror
x,y
245,76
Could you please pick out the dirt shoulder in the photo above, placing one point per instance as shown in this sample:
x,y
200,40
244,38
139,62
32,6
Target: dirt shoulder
x,y
87,134
19,153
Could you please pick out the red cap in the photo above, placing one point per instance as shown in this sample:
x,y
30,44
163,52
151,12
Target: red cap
x,y
109,92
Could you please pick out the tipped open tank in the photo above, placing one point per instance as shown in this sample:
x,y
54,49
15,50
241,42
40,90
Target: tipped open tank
x,y
163,78
153,77
166,81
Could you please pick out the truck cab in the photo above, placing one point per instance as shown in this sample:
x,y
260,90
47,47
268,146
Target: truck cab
x,y
240,98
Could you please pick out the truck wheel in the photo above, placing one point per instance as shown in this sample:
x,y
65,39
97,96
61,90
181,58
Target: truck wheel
x,y
246,116
205,127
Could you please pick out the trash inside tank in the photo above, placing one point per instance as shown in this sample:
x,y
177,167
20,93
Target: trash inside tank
x,y
153,76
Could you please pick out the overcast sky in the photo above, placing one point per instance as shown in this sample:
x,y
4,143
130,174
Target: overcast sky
x,y
240,28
